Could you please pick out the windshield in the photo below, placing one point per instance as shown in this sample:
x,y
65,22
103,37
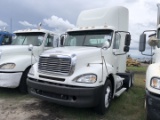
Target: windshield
x,y
35,39
88,38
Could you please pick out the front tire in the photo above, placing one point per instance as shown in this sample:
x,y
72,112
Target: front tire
x,y
129,79
146,108
23,83
105,98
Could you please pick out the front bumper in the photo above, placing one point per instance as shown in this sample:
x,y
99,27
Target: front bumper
x,y
10,80
153,105
64,94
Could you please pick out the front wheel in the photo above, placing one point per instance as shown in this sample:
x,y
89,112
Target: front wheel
x,y
105,98
146,109
129,79
23,84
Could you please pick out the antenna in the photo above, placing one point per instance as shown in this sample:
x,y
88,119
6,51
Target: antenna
x,y
11,25
39,25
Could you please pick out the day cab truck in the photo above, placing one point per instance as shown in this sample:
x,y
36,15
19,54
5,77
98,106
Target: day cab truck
x,y
90,68
17,58
5,37
152,100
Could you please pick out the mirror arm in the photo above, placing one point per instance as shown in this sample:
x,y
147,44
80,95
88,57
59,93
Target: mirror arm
x,y
147,54
119,54
124,32
149,31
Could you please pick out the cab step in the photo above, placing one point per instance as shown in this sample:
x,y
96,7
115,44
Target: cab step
x,y
118,93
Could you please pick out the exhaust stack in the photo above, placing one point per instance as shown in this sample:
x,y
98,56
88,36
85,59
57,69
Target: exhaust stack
x,y
158,14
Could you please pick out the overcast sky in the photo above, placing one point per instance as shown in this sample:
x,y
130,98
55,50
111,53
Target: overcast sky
x,y
59,15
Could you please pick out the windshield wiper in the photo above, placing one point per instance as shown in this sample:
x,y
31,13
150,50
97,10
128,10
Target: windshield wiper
x,y
24,40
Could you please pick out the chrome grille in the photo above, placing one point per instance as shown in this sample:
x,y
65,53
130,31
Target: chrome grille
x,y
55,65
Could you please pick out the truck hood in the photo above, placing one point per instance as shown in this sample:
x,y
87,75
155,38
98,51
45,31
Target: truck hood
x,y
14,49
78,51
84,55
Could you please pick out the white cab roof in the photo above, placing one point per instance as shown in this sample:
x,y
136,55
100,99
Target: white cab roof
x,y
34,30
116,17
91,28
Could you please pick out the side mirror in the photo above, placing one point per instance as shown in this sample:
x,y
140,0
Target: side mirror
x,y
30,47
127,39
127,43
126,49
106,44
142,43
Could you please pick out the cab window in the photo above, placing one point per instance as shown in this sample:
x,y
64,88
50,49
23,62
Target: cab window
x,y
116,42
49,41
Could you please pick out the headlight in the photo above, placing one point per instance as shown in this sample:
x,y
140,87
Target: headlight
x,y
31,71
155,83
86,78
7,66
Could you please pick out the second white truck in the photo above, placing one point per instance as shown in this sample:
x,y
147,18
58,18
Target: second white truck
x,y
152,100
17,58
90,69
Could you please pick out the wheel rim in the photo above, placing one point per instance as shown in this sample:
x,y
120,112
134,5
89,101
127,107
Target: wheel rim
x,y
107,96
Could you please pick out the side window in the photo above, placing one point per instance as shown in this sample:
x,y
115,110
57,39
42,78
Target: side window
x,y
116,41
49,41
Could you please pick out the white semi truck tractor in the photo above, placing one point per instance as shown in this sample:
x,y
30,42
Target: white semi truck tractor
x,y
17,58
152,87
90,69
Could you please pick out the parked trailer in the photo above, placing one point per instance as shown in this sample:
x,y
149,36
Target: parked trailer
x,y
5,38
89,70
152,101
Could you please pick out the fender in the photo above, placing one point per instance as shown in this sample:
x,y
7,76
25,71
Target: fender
x,y
22,62
152,71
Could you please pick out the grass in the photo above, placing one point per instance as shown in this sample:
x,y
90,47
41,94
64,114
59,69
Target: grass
x,y
129,106
137,69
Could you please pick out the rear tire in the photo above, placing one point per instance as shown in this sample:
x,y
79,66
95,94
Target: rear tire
x,y
105,98
128,82
23,83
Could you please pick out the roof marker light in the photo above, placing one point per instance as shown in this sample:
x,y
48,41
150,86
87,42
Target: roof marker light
x,y
86,27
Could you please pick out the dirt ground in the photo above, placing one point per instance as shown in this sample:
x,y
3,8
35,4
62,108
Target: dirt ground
x,y
17,106
29,109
